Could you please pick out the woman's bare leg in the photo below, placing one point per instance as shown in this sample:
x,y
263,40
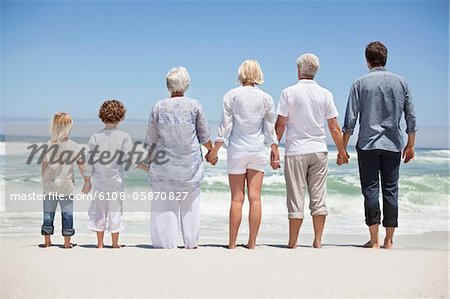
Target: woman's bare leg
x,y
254,184
237,186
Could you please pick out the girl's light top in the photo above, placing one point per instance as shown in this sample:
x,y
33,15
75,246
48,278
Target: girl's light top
x,y
177,127
58,177
108,173
248,121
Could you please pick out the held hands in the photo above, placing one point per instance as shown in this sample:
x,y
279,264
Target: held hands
x,y
211,157
86,187
342,158
275,159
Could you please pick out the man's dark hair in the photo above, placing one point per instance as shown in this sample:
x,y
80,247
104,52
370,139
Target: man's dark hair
x,y
376,54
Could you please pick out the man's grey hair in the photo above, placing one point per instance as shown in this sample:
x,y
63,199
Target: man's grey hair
x,y
178,80
308,65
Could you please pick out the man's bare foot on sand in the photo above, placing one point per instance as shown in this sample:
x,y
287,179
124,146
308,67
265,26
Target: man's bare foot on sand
x,y
99,246
388,244
371,244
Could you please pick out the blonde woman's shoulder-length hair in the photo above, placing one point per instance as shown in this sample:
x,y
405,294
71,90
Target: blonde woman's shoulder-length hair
x,y
61,125
250,72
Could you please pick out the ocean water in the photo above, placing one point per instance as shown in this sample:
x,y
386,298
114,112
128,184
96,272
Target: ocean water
x,y
423,202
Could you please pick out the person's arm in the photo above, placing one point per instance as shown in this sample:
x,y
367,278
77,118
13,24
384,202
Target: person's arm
x,y
280,126
225,127
351,114
43,167
410,118
88,168
336,134
408,152
202,129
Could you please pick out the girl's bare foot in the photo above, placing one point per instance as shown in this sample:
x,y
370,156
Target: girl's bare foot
x,y
371,244
388,244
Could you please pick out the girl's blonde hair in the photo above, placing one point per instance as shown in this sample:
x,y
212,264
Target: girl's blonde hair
x,y
250,72
61,126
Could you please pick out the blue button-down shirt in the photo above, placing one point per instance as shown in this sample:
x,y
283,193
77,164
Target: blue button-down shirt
x,y
380,98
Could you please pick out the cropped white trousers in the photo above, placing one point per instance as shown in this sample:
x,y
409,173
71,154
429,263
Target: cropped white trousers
x,y
167,214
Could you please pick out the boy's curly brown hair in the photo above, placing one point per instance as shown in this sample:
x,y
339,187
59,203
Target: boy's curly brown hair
x,y
112,111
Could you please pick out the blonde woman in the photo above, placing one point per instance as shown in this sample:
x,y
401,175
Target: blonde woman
x,y
58,178
248,124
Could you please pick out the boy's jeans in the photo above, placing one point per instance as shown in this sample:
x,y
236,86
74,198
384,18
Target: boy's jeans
x,y
50,204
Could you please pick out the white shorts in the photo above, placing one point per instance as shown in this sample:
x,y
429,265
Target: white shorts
x,y
239,164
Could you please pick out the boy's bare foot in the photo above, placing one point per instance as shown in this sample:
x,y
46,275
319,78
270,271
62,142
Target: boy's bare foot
x,y
371,244
69,245
388,244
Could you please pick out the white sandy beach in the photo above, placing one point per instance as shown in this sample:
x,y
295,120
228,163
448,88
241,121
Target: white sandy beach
x,y
417,267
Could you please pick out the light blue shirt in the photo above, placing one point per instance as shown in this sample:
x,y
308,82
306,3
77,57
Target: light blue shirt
x,y
380,98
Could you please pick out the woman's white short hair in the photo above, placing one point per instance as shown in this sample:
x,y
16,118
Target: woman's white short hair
x,y
178,80
250,72
308,65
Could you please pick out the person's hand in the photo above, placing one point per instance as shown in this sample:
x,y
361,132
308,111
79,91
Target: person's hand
x,y
342,158
275,159
408,153
86,187
211,157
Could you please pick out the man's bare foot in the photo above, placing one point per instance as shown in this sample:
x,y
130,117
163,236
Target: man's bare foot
x,y
371,244
292,245
388,244
117,246
99,246
47,244
317,244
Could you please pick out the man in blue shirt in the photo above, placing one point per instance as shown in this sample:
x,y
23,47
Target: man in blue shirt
x,y
380,98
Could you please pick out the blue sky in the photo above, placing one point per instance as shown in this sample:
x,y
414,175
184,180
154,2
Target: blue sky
x,y
70,56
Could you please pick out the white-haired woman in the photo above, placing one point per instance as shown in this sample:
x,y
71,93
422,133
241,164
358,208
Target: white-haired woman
x,y
248,124
177,128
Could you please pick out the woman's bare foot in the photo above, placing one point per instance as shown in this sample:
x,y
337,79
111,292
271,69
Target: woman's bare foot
x,y
371,244
317,244
250,246
388,244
